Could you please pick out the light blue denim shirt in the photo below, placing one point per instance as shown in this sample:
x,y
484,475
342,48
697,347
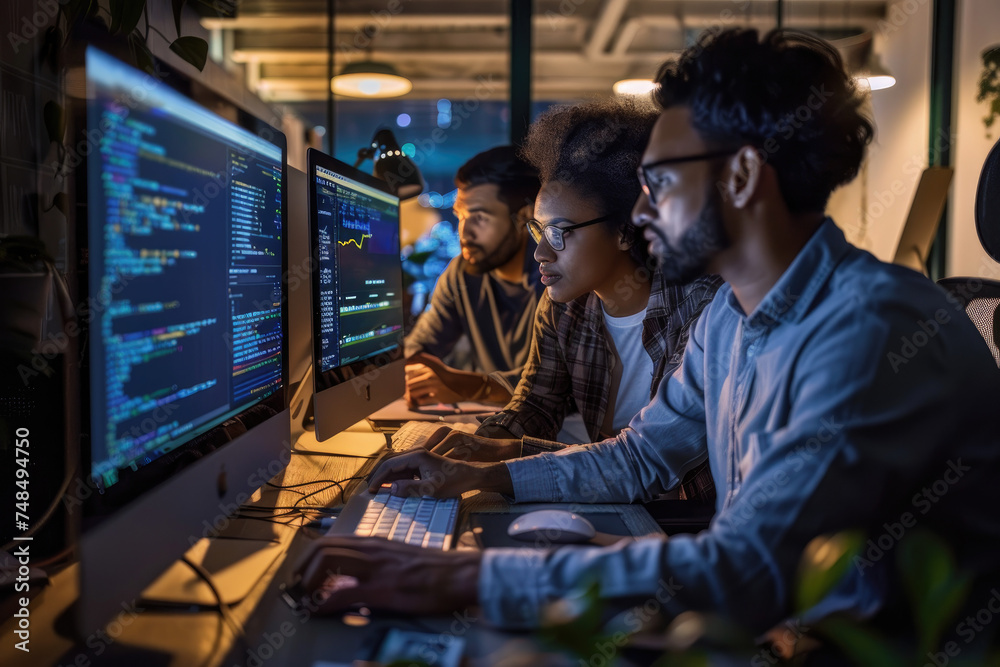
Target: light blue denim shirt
x,y
856,395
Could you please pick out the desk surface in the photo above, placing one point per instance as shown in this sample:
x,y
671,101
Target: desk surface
x,y
274,633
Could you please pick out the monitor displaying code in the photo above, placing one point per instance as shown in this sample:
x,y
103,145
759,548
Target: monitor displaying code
x,y
185,234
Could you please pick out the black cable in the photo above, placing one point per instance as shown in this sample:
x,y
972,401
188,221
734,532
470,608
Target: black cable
x,y
267,519
224,609
339,484
296,511
215,645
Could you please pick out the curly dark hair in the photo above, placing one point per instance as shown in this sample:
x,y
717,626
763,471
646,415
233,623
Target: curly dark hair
x,y
787,94
593,149
516,180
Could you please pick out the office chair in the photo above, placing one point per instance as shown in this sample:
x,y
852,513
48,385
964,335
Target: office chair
x,y
980,297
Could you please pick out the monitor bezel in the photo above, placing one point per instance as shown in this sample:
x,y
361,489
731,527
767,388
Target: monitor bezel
x,y
375,380
218,433
126,543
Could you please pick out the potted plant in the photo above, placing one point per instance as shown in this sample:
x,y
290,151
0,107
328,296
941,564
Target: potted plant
x,y
989,85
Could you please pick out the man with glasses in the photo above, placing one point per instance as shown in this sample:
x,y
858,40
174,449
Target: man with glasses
x,y
801,382
488,294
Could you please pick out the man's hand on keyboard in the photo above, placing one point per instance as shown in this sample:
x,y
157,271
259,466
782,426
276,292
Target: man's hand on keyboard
x,y
421,473
468,447
338,572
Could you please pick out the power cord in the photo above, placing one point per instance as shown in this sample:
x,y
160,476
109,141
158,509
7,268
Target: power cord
x,y
224,609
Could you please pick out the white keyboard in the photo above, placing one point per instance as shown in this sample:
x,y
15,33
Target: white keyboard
x,y
413,434
424,522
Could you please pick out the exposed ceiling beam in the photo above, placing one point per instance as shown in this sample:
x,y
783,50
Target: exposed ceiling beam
x,y
293,83
499,93
634,25
400,22
608,19
464,57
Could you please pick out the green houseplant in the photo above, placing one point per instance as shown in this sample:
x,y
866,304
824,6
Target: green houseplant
x,y
989,85
121,18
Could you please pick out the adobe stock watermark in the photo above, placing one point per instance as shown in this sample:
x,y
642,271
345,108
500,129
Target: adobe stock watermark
x,y
784,639
968,629
229,510
910,345
306,607
158,419
755,498
786,128
30,26
101,639
897,15
923,501
633,620
366,33
425,147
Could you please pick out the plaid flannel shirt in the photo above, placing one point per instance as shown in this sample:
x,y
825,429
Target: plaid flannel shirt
x,y
571,362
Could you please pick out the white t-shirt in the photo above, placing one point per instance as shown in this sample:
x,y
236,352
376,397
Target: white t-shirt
x,y
637,367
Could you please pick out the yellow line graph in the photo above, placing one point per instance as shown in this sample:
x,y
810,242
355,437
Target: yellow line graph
x,y
355,241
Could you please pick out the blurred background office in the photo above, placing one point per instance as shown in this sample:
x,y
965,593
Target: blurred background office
x,y
450,79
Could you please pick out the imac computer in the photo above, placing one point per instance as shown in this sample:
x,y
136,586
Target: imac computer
x,y
186,351
357,290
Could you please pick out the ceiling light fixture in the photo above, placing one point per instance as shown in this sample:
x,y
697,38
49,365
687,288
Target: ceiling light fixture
x,y
634,86
370,79
874,75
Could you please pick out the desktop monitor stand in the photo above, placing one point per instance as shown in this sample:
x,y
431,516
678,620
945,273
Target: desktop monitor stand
x,y
356,440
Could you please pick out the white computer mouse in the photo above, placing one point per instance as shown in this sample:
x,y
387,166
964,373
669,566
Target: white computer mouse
x,y
553,526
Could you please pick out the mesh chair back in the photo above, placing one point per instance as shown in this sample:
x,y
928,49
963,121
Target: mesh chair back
x,y
981,301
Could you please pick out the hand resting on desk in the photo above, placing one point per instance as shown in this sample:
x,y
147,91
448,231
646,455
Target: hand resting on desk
x,y
338,572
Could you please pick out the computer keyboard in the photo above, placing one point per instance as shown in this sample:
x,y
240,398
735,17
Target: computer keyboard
x,y
421,521
413,434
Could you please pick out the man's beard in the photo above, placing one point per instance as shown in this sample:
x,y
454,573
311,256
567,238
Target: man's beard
x,y
699,244
502,254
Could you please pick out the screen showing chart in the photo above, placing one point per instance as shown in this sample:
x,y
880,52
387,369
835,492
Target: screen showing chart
x,y
360,280
186,261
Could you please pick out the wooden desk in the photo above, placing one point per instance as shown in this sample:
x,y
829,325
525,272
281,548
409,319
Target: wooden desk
x,y
150,636
274,634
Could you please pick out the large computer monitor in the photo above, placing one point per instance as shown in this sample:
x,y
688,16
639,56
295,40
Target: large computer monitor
x,y
187,351
357,294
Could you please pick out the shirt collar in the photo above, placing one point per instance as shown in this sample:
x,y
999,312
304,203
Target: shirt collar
x,y
789,299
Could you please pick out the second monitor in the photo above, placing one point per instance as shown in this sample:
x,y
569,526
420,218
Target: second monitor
x,y
357,294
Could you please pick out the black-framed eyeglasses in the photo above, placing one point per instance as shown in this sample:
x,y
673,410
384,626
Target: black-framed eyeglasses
x,y
649,185
555,236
